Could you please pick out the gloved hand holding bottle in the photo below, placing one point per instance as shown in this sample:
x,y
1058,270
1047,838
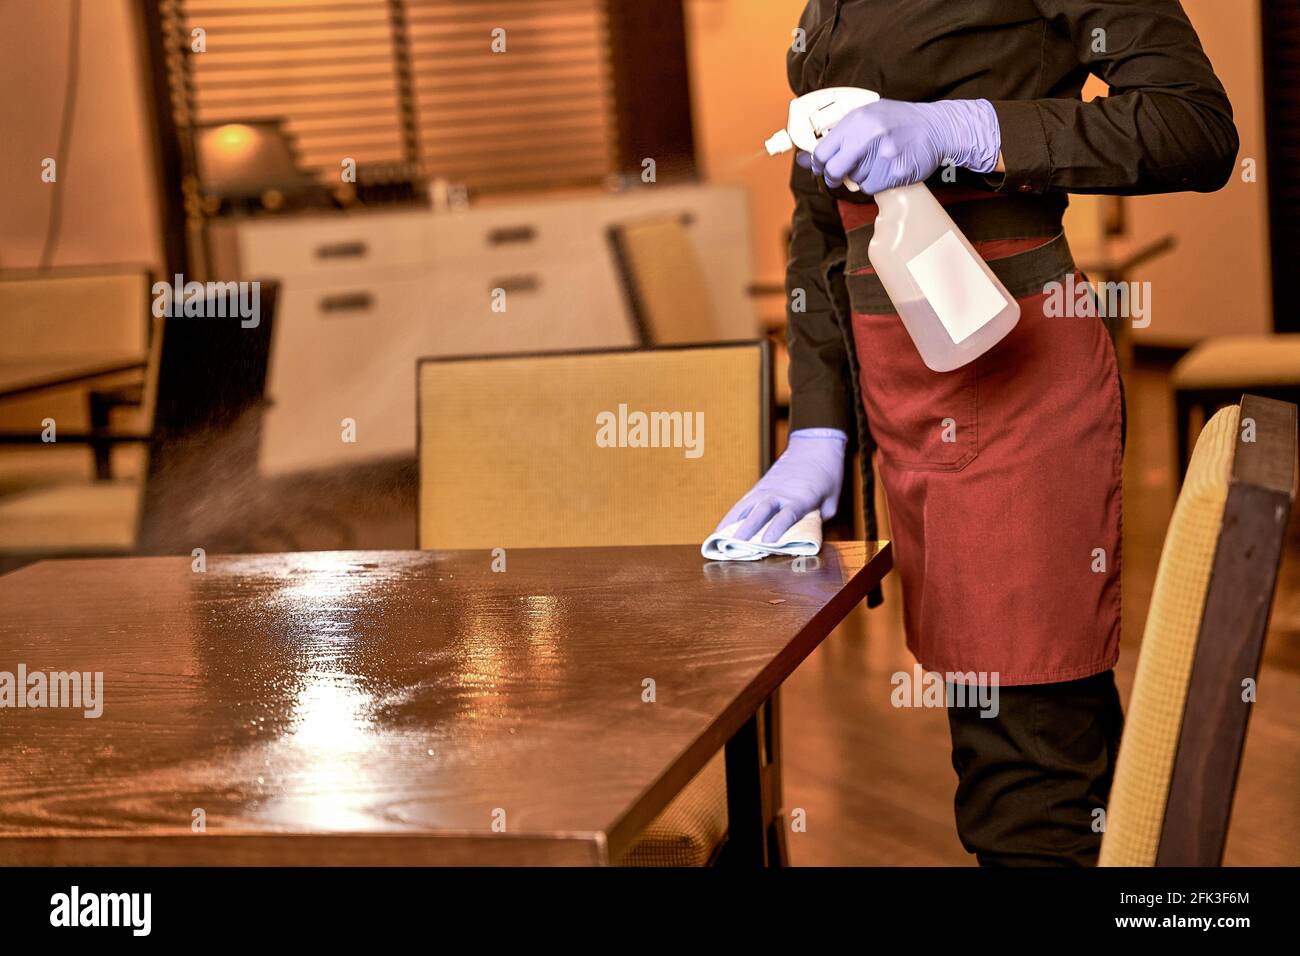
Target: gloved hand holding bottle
x,y
890,143
948,297
807,477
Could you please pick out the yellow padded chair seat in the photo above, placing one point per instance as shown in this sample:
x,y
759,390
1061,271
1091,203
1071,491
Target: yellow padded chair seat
x,y
1240,361
97,518
690,828
1135,816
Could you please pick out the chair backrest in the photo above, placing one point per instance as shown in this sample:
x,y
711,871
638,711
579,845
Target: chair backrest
x,y
663,280
1177,767
575,449
70,313
204,395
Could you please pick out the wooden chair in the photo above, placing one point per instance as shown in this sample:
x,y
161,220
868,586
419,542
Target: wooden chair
x,y
663,281
62,330
509,458
202,398
1204,637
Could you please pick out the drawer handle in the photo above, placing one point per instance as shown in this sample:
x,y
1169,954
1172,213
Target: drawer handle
x,y
516,284
342,250
508,235
347,302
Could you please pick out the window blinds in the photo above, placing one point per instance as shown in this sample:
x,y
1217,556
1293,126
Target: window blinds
x,y
492,94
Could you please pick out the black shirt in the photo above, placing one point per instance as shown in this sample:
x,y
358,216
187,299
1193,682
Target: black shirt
x,y
1166,125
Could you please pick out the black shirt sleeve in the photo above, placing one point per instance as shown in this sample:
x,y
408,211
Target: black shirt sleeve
x,y
819,363
1166,125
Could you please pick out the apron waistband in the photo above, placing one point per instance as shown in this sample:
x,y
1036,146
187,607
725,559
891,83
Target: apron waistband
x,y
1024,274
994,217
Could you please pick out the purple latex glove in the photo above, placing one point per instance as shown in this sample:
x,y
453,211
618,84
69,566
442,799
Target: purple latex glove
x,y
807,477
891,143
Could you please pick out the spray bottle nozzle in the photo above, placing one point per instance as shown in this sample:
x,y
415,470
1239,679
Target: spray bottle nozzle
x,y
780,142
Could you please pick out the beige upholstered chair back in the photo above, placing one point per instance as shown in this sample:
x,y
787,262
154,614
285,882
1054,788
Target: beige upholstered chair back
x,y
1201,648
553,450
72,314
1137,802
664,281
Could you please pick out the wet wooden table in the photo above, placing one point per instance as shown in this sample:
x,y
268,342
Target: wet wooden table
x,y
392,706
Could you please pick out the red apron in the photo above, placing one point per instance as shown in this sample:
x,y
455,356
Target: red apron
x,y
1006,536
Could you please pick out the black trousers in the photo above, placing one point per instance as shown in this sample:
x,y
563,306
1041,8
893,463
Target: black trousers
x,y
1031,778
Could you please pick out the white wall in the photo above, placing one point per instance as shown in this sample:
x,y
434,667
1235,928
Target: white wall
x,y
109,209
740,97
1217,280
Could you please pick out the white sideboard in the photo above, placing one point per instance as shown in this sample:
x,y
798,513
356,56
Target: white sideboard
x,y
364,295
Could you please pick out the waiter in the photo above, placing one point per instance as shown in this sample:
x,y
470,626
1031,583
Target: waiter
x,y
1002,477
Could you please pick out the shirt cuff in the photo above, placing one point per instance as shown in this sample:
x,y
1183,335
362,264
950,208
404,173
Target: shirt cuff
x,y
822,409
1024,148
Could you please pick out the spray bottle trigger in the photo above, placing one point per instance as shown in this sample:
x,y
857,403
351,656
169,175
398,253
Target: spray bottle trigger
x,y
824,119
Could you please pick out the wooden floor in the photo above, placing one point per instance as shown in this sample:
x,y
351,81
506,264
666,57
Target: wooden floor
x,y
876,783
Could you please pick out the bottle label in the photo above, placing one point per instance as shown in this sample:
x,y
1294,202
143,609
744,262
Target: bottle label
x,y
961,295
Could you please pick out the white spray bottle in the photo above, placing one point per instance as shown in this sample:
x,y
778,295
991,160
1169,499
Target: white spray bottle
x,y
950,301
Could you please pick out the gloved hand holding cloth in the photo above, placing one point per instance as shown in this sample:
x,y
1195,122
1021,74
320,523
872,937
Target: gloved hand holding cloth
x,y
804,481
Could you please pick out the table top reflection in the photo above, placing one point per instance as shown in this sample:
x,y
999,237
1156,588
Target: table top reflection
x,y
386,707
